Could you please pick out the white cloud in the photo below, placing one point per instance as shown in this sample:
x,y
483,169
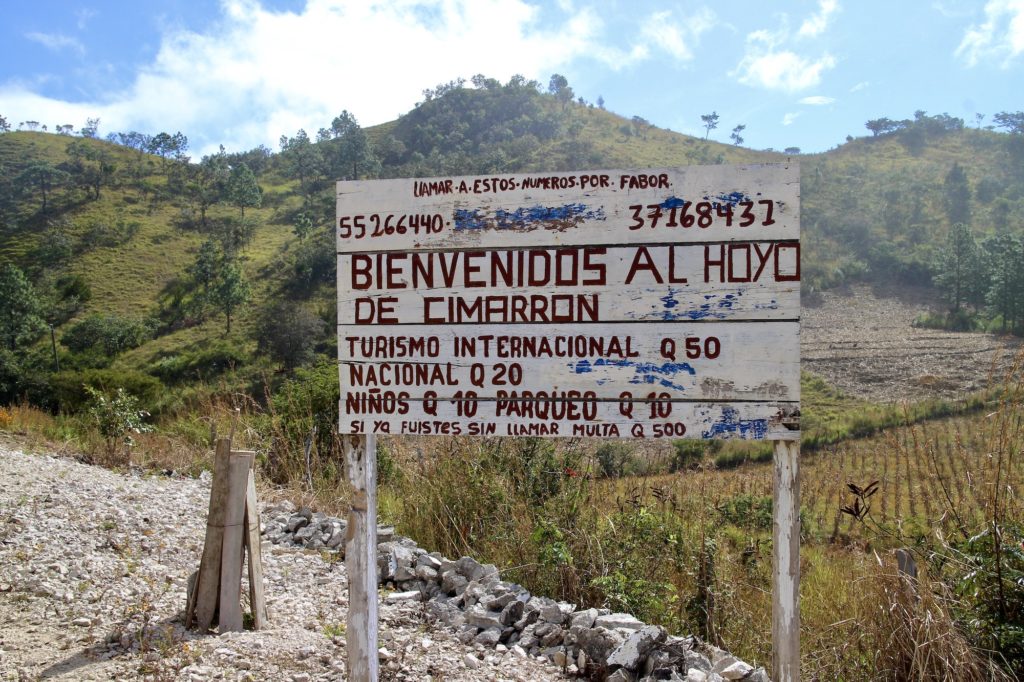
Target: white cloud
x,y
770,64
678,35
1001,36
56,41
790,117
781,69
257,74
816,24
863,85
817,100
83,16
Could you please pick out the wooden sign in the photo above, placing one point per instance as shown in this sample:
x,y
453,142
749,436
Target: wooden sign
x,y
655,303
646,304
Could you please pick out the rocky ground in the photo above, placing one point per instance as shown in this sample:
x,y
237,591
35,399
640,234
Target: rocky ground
x,y
862,341
93,566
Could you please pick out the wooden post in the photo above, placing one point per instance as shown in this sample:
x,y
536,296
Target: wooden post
x,y
208,582
257,600
786,563
230,619
361,558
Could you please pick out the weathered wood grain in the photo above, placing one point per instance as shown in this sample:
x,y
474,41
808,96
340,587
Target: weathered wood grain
x,y
207,588
786,562
230,619
361,558
253,538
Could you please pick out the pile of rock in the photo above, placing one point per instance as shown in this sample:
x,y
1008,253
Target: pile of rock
x,y
285,525
471,598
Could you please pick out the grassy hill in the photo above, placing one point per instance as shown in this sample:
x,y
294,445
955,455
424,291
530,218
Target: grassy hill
x,y
140,254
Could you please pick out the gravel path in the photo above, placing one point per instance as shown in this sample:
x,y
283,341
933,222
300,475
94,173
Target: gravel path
x,y
93,566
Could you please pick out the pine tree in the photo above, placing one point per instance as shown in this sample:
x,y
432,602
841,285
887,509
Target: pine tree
x,y
243,190
20,319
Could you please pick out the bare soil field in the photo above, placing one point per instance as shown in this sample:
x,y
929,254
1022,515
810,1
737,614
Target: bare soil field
x,y
862,341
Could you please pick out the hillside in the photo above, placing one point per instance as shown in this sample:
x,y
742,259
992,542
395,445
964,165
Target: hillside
x,y
184,277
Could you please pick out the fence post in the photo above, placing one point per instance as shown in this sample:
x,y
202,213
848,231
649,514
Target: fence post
x,y
361,558
786,563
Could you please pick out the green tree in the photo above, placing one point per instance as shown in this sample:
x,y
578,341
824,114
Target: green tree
x,y
1005,297
349,151
5,127
1012,121
559,87
961,272
957,195
710,122
91,164
20,314
735,134
231,291
243,190
205,185
43,177
303,226
288,333
302,161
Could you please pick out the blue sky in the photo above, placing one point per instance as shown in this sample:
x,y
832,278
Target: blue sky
x,y
796,73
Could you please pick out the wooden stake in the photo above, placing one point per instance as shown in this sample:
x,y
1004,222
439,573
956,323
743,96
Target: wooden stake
x,y
257,601
239,464
361,558
786,563
208,582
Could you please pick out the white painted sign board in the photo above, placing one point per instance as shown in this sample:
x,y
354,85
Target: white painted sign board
x,y
654,303
658,303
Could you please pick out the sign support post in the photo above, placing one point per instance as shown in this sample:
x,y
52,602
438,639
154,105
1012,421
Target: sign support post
x,y
786,562
361,558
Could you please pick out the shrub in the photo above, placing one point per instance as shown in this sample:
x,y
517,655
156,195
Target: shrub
x,y
202,364
109,334
689,453
117,417
612,458
72,394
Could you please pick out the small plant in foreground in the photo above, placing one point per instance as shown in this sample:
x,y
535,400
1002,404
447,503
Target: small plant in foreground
x,y
117,418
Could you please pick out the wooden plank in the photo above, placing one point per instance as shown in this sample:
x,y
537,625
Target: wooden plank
x,y
370,213
718,361
568,418
257,599
207,586
786,563
361,558
234,536
752,280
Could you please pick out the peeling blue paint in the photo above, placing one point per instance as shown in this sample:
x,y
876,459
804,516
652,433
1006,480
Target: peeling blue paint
x,y
672,202
731,424
732,198
468,219
644,372
527,218
670,299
